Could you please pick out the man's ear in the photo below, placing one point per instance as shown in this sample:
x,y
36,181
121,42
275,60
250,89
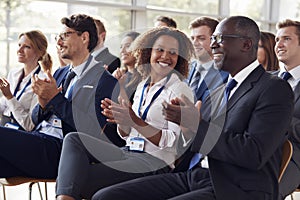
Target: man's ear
x,y
103,35
247,44
85,36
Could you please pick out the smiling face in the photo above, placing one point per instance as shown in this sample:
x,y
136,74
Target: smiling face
x,y
287,47
200,37
26,53
73,45
126,57
164,56
228,47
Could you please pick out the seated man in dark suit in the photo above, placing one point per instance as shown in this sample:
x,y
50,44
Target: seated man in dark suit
x,y
36,154
203,75
242,138
287,51
101,53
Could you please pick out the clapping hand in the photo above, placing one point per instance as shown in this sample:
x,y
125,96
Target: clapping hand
x,y
183,112
5,88
45,88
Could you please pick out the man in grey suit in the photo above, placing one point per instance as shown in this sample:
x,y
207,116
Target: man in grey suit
x,y
287,49
101,53
244,153
36,154
203,76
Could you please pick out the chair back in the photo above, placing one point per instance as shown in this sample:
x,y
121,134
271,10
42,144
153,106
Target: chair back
x,y
286,157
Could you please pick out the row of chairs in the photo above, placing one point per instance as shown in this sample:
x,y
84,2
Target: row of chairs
x,y
286,157
20,180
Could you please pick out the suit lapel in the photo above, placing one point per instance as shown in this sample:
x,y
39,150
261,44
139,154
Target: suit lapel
x,y
207,82
247,85
62,77
297,92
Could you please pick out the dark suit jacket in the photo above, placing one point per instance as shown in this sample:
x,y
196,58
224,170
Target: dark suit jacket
x,y
83,113
213,79
291,178
108,59
244,163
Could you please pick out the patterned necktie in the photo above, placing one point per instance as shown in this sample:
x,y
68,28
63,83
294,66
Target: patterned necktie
x,y
66,84
286,76
196,79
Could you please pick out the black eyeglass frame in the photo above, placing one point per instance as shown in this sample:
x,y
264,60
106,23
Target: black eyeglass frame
x,y
220,37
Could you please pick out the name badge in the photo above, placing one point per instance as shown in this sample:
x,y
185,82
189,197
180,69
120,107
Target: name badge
x,y
56,123
11,125
136,144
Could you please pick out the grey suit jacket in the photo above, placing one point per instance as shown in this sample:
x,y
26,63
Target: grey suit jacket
x,y
83,113
108,59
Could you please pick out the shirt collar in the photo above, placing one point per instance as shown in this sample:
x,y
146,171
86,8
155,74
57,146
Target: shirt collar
x,y
206,66
244,73
78,69
295,72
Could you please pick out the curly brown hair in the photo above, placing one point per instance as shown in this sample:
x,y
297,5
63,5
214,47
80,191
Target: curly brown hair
x,y
142,48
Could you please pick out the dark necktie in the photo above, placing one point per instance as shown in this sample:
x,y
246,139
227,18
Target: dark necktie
x,y
286,76
232,83
66,84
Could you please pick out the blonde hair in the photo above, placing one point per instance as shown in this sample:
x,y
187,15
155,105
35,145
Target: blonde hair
x,y
40,44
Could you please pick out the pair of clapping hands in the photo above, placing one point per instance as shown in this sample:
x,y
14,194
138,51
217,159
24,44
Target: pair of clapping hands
x,y
180,111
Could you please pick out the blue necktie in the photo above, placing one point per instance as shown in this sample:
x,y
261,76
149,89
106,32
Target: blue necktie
x,y
195,160
69,77
286,76
231,84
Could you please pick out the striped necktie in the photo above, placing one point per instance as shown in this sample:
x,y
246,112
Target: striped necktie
x,y
196,79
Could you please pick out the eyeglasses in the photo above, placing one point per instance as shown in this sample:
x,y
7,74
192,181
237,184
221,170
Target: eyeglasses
x,y
63,36
219,38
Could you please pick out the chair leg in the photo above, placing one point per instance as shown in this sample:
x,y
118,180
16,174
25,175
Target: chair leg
x,y
30,190
4,194
46,191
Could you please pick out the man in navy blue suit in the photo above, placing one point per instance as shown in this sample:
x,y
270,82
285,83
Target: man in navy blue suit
x,y
245,150
62,108
204,76
287,50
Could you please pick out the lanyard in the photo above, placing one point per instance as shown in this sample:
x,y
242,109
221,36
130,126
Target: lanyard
x,y
157,93
27,84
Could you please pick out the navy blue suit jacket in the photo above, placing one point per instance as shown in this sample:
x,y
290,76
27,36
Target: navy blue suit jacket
x,y
247,155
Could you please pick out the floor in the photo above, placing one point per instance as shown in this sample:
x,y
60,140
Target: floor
x,y
20,192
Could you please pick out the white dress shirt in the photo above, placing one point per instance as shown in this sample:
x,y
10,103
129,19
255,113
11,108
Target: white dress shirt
x,y
167,148
22,108
295,72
